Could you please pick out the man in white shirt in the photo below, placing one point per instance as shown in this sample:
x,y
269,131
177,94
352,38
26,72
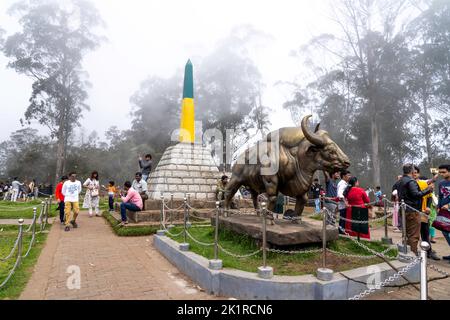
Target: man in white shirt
x,y
140,185
15,189
342,207
71,190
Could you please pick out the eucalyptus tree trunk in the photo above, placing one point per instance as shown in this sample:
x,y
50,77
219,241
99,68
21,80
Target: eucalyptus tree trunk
x,y
376,164
61,148
426,124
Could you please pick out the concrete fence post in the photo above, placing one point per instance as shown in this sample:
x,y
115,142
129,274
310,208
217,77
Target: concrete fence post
x,y
425,246
216,263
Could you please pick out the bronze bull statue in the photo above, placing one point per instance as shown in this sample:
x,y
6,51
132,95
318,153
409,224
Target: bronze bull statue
x,y
300,153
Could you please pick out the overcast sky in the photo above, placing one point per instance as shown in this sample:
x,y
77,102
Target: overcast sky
x,y
149,37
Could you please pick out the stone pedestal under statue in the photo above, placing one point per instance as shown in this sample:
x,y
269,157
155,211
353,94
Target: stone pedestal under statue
x,y
283,233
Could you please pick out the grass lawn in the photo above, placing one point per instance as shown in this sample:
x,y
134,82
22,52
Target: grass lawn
x,y
18,281
17,210
298,264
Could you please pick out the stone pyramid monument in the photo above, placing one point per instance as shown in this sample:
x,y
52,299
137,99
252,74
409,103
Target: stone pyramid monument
x,y
187,167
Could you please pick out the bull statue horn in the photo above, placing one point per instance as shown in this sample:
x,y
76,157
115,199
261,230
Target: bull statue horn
x,y
314,138
317,128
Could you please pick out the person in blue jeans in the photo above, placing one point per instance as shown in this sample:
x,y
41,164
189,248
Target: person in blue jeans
x,y
132,201
444,196
316,190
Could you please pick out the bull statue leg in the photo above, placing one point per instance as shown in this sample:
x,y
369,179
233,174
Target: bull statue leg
x,y
230,190
271,185
300,204
255,200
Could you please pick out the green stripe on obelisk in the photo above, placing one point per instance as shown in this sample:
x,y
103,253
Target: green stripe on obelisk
x,y
188,91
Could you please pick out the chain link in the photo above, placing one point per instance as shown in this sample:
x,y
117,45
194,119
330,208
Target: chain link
x,y
294,252
389,280
367,221
408,206
9,209
12,251
173,209
359,256
169,233
433,267
16,264
236,255
362,245
198,241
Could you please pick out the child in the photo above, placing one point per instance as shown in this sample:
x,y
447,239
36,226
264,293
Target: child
x,y
112,192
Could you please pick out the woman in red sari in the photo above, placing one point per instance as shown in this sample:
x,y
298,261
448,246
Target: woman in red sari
x,y
357,210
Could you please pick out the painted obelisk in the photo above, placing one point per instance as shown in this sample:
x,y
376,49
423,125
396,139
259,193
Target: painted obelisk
x,y
187,127
187,167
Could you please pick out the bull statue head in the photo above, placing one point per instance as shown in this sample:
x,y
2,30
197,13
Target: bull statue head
x,y
324,150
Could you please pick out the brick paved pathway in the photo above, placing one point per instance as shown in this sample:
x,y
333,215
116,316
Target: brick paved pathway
x,y
111,267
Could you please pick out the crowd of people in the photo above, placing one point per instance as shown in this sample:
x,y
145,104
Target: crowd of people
x,y
16,190
133,195
424,210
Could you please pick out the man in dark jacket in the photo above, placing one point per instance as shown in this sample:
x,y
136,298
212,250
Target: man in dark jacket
x,y
146,166
409,192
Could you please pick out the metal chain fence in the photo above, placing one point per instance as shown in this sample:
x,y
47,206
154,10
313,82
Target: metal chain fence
x,y
389,280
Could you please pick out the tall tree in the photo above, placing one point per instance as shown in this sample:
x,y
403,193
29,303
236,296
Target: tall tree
x,y
156,114
363,84
429,72
55,37
229,89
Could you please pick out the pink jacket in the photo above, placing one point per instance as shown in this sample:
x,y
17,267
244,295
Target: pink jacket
x,y
133,197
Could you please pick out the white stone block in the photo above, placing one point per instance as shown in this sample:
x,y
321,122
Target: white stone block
x,y
201,196
194,188
195,174
205,188
180,174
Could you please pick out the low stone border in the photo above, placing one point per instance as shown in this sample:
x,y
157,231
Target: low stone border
x,y
248,286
